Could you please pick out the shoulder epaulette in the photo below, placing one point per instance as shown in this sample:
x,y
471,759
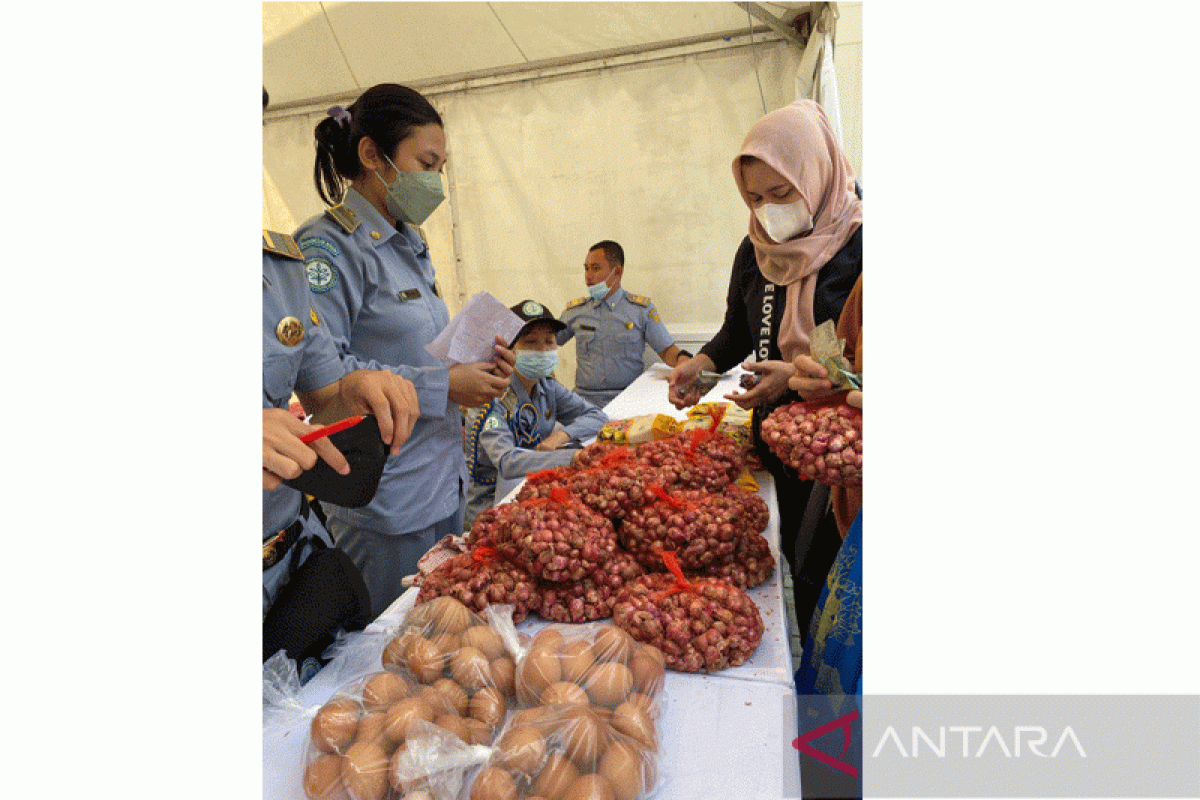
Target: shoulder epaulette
x,y
281,245
344,216
638,299
577,302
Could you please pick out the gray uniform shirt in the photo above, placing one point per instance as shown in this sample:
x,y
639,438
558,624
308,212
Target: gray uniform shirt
x,y
305,363
375,288
610,337
495,456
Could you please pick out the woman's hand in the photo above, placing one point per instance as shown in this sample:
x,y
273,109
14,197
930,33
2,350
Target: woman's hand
x,y
811,379
683,376
474,385
772,383
553,441
392,399
855,399
285,456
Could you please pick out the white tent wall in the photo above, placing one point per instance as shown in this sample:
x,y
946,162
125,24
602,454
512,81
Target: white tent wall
x,y
540,169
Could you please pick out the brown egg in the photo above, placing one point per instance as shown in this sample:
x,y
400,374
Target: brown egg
x,y
609,683
364,771
477,732
447,644
647,665
583,738
454,724
334,725
455,694
437,700
401,715
538,670
494,783
323,778
471,669
448,615
558,774
424,661
503,675
548,638
644,702
612,644
590,787
487,706
627,770
564,693
631,721
484,639
394,654
537,717
576,659
522,751
383,690
370,727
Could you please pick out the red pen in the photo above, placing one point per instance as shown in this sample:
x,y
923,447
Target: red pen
x,y
321,433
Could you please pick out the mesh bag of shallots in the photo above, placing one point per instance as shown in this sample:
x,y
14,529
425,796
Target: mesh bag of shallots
x,y
592,597
558,538
752,564
704,528
482,577
539,484
702,626
696,459
820,439
615,483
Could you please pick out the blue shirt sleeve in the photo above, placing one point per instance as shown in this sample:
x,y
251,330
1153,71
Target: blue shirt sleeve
x,y
657,335
339,305
580,419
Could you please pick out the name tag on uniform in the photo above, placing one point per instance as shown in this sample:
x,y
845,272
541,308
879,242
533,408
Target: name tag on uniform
x,y
410,294
587,327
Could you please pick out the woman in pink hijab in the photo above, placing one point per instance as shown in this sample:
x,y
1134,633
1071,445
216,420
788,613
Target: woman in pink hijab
x,y
793,271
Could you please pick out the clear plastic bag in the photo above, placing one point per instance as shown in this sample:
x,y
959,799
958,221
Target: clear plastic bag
x,y
445,650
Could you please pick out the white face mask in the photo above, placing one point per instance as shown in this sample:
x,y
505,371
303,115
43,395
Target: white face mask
x,y
784,222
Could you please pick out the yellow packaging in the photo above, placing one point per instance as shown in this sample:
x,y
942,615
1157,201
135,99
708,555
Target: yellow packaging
x,y
650,427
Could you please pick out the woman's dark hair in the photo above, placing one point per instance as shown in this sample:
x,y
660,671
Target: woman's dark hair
x,y
387,113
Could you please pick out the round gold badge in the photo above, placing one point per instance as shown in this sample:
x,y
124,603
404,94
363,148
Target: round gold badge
x,y
289,331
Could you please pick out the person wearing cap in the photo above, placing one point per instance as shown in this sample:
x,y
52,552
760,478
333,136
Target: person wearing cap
x,y
612,328
537,424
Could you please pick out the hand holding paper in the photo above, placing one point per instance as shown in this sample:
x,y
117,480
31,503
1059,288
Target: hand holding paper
x,y
471,335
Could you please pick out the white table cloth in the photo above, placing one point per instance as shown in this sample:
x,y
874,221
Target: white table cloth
x,y
723,735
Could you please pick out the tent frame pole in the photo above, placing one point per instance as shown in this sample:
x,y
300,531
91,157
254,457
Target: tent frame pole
x,y
530,67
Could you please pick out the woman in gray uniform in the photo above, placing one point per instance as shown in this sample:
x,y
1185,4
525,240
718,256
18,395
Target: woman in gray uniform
x,y
373,284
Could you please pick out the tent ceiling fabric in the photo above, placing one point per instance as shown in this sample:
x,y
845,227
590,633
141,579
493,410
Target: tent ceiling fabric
x,y
317,50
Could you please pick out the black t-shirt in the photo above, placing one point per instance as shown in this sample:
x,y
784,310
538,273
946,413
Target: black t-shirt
x,y
753,301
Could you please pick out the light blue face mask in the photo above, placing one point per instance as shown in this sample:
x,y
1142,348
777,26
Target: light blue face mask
x,y
534,364
413,196
599,291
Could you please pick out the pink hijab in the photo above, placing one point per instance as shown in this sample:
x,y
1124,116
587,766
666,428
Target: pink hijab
x,y
797,142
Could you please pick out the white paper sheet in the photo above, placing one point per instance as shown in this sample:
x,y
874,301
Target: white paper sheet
x,y
471,335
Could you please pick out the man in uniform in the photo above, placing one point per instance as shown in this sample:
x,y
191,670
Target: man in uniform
x,y
612,328
310,588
